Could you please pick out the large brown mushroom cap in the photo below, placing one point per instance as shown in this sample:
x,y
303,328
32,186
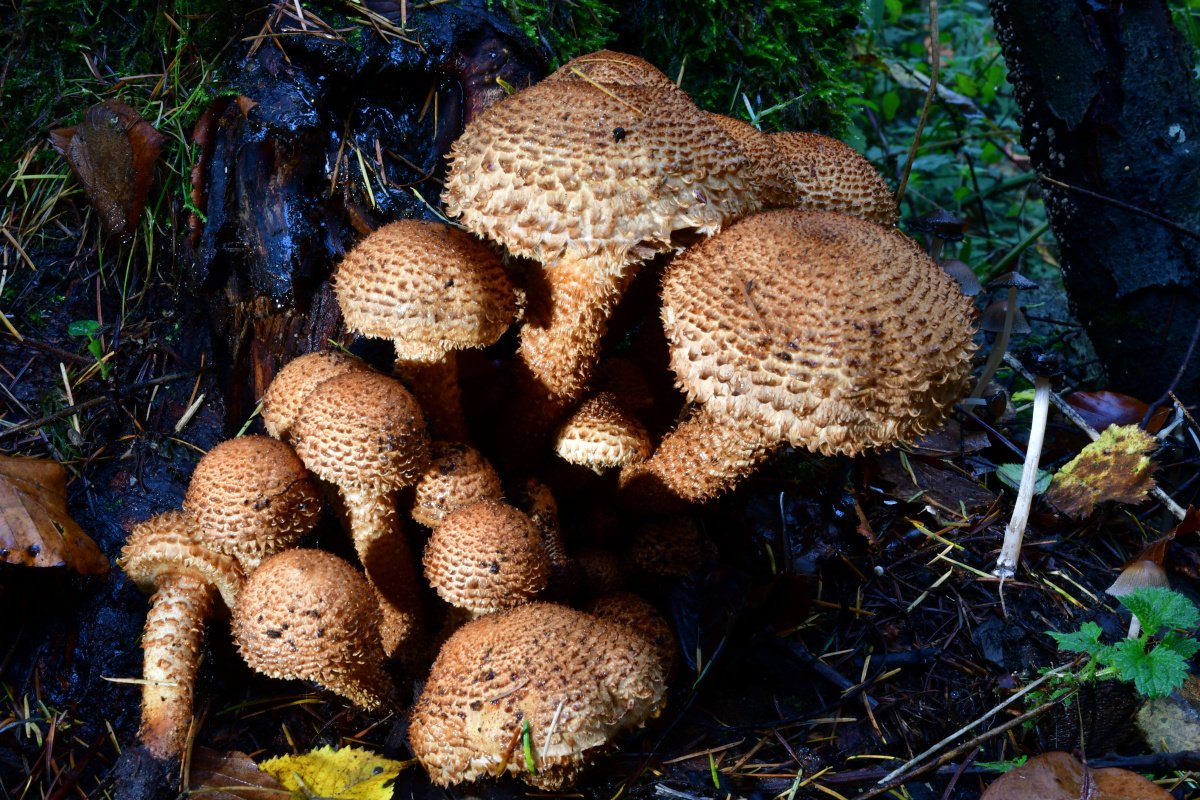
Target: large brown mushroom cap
x,y
170,543
485,557
600,434
605,174
307,614
458,475
428,287
295,381
252,497
362,429
575,679
612,69
826,331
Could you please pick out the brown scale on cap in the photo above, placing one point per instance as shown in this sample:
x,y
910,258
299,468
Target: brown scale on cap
x,y
431,289
600,435
164,555
485,557
364,433
537,500
575,679
588,180
458,475
306,614
599,570
612,69
794,169
252,497
816,329
295,381
667,548
628,609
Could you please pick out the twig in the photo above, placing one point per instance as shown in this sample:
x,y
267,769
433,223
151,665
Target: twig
x,y
1183,365
935,63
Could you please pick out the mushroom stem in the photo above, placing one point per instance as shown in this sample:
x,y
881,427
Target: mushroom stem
x,y
1135,627
703,457
435,385
171,644
999,347
383,550
1010,552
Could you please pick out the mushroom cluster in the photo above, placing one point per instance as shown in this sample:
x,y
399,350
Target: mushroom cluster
x,y
815,324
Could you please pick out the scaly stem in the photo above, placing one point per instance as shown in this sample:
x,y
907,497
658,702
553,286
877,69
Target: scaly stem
x,y
1010,553
435,385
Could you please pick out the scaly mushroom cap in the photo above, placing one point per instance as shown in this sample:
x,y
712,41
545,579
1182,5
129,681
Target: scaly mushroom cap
x,y
485,557
667,548
307,614
627,608
295,381
601,435
428,287
613,69
793,169
171,542
458,475
252,497
823,330
575,679
602,174
362,429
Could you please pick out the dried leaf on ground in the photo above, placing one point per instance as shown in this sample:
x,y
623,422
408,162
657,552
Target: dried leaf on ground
x,y
1114,468
1104,408
35,528
1060,776
216,775
350,773
1172,723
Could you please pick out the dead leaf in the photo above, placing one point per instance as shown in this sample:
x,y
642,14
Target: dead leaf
x,y
112,153
935,482
216,775
35,528
350,773
1060,776
1114,468
1104,408
1172,723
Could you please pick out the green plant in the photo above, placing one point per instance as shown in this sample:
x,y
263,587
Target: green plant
x,y
1156,661
88,329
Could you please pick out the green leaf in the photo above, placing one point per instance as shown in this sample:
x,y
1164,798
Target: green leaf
x,y
966,84
83,327
1084,640
1184,645
1010,476
890,102
1154,674
1161,609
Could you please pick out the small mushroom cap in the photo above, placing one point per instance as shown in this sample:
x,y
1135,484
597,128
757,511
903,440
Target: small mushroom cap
x,y
1011,280
307,614
603,174
968,281
575,679
599,570
823,330
170,543
1138,575
940,223
295,381
362,430
601,435
252,497
458,475
612,69
992,318
667,548
428,287
485,557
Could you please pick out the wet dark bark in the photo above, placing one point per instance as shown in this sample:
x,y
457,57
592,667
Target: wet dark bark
x,y
1108,98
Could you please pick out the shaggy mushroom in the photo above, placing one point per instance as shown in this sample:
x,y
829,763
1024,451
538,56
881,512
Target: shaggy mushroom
x,y
295,381
600,435
485,557
307,614
363,432
164,555
611,68
252,497
588,180
566,682
628,609
431,289
458,475
815,329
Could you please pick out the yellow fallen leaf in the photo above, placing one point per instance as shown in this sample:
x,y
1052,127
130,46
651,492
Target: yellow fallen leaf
x,y
35,528
350,773
1114,468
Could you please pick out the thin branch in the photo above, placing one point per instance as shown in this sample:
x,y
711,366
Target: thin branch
x,y
935,64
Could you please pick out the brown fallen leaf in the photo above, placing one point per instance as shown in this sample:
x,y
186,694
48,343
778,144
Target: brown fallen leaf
x,y
1114,468
1104,408
112,153
1060,776
215,775
35,528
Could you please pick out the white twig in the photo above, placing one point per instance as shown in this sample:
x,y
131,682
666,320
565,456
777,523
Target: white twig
x,y
1010,553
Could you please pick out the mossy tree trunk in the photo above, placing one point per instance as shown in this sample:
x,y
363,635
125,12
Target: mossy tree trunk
x,y
1109,103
